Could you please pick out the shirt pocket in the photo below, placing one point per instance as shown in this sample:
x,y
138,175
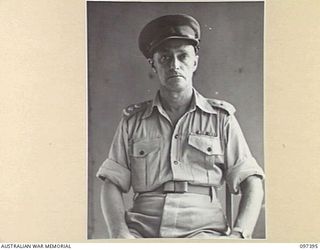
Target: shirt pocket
x,y
145,160
205,152
209,145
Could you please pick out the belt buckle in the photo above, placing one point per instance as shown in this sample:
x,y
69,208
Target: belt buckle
x,y
180,187
176,187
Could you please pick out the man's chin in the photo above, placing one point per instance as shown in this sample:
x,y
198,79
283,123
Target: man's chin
x,y
176,86
176,82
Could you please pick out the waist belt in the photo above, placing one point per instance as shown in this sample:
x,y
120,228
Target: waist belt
x,y
184,187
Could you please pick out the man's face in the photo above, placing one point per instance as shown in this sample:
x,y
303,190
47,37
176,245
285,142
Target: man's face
x,y
175,62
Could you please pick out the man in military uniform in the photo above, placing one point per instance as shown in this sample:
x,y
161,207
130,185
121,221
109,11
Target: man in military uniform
x,y
177,149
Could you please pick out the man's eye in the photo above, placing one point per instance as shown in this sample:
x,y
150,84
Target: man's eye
x,y
183,57
164,58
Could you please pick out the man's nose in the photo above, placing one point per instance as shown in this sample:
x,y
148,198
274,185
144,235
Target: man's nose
x,y
174,63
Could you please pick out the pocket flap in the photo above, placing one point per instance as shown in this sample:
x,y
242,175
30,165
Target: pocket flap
x,y
143,148
209,145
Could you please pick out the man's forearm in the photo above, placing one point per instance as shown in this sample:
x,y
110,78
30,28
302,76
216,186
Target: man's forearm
x,y
250,204
113,210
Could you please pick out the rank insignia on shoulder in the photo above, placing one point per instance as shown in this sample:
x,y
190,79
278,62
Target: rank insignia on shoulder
x,y
134,108
223,105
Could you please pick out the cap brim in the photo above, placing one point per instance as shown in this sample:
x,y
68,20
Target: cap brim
x,y
194,41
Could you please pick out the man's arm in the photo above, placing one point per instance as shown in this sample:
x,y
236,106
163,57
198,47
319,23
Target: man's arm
x,y
243,173
113,211
249,207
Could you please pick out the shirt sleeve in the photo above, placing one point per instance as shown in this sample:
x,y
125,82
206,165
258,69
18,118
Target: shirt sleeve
x,y
116,167
239,161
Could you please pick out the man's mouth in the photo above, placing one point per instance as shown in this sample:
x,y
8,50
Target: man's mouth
x,y
175,76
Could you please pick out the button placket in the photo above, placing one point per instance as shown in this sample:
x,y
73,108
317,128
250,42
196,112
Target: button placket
x,y
175,146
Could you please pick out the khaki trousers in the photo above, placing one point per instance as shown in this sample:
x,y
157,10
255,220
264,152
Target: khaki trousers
x,y
176,215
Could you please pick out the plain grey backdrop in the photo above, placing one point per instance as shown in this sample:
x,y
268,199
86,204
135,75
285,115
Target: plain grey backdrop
x,y
230,68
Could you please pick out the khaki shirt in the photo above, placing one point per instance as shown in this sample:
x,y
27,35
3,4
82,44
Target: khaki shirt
x,y
205,147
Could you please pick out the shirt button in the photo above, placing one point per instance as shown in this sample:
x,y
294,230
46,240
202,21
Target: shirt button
x,y
207,133
175,162
141,152
209,149
176,136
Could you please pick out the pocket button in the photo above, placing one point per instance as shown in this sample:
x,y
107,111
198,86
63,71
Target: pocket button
x,y
141,152
209,149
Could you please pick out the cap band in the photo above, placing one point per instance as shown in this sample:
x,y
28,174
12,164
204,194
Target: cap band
x,y
168,27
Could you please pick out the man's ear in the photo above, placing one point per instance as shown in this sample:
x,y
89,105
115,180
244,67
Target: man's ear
x,y
152,65
195,63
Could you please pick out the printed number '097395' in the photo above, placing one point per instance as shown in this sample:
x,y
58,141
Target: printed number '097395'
x,y
308,245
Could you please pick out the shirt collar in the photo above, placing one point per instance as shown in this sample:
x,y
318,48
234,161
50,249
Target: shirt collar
x,y
197,101
155,103
202,102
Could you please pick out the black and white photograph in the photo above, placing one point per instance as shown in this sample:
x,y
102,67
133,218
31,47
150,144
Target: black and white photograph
x,y
134,123
176,120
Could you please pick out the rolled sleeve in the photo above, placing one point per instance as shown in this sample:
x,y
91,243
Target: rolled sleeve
x,y
239,161
239,173
117,174
116,167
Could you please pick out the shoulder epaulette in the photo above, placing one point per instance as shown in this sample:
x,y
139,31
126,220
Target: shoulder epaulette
x,y
134,108
223,105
